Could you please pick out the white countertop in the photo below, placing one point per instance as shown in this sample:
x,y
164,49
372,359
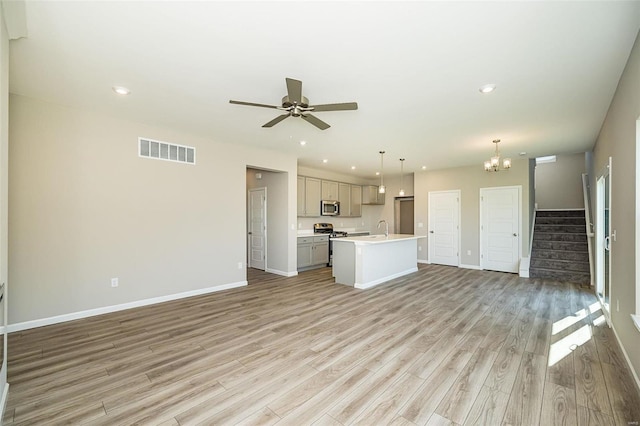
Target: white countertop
x,y
379,238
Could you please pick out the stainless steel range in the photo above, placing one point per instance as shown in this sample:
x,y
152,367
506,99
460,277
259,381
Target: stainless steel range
x,y
327,228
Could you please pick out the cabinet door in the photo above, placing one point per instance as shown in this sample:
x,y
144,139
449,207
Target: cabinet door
x,y
320,253
344,196
329,190
312,197
356,200
304,255
301,195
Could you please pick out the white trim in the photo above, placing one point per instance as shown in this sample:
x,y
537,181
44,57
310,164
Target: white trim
x,y
115,308
476,267
559,210
523,271
385,279
626,357
637,204
282,273
636,321
4,399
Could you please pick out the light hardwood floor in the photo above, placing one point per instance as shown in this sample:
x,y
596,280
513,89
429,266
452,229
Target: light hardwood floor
x,y
438,347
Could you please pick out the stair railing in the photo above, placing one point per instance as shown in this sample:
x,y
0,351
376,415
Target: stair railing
x,y
588,221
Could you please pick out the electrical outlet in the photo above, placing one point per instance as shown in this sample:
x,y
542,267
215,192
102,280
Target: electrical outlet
x,y
420,225
419,248
617,305
239,265
468,252
114,282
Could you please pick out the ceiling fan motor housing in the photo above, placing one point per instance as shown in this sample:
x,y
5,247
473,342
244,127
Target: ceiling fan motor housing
x,y
286,103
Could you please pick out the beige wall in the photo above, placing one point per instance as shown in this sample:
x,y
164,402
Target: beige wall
x,y
83,208
559,185
4,198
468,180
617,139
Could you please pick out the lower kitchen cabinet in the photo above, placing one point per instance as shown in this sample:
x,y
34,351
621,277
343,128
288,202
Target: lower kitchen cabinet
x,y
313,251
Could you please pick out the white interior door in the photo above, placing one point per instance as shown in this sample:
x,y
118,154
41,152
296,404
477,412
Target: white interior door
x,y
444,227
257,228
500,225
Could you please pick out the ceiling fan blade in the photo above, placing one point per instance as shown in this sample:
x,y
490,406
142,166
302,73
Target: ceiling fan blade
x,y
294,90
347,106
275,120
253,104
315,121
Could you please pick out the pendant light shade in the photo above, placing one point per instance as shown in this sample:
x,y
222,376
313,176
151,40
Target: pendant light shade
x,y
382,189
401,193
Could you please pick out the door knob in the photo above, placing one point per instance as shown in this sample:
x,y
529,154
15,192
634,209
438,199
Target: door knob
x,y
431,232
515,235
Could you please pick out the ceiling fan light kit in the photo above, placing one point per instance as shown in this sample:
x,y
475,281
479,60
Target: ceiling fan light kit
x,y
493,164
296,105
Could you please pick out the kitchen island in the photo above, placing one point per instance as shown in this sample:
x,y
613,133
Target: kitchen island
x,y
363,262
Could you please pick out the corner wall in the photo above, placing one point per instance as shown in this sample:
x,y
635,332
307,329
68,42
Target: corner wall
x,y
84,208
617,139
559,184
468,180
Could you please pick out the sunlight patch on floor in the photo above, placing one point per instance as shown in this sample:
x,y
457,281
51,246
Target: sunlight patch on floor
x,y
566,345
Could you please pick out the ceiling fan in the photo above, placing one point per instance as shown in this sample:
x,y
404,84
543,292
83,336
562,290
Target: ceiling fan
x,y
297,105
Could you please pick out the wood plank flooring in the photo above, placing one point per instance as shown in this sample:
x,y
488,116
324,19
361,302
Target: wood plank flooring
x,y
442,346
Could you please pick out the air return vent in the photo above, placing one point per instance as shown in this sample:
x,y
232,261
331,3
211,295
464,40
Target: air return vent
x,y
158,150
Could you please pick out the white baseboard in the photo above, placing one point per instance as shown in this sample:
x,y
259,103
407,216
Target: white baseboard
x,y
11,328
281,273
524,267
626,357
476,267
559,210
363,286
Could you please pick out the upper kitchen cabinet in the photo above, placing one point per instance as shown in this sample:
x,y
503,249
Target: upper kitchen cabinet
x,y
329,190
370,195
344,196
356,201
309,191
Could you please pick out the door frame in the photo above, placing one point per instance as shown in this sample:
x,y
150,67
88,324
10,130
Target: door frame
x,y
601,241
264,190
483,233
458,193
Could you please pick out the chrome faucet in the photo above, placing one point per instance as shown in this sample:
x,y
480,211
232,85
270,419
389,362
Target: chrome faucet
x,y
386,228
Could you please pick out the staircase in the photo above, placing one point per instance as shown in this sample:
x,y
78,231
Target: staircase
x,y
560,249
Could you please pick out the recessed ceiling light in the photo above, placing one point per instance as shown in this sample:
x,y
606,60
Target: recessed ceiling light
x,y
121,90
522,154
303,143
487,88
353,167
424,167
325,161
377,173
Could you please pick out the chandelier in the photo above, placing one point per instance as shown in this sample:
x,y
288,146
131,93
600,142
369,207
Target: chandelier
x,y
493,165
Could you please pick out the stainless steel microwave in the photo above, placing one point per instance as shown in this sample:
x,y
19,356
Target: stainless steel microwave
x,y
329,208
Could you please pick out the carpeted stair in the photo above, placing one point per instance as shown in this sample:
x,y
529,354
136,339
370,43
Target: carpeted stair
x,y
560,250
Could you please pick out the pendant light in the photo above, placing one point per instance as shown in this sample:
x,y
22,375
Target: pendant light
x,y
401,193
493,164
382,189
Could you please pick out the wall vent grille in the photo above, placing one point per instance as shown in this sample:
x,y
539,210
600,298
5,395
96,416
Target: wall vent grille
x,y
158,150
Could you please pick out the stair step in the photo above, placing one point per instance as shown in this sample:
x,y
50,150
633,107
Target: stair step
x,y
560,265
559,213
579,256
560,245
573,229
560,221
559,236
565,276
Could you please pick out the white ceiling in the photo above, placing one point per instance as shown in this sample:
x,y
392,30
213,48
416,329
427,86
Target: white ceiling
x,y
414,68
